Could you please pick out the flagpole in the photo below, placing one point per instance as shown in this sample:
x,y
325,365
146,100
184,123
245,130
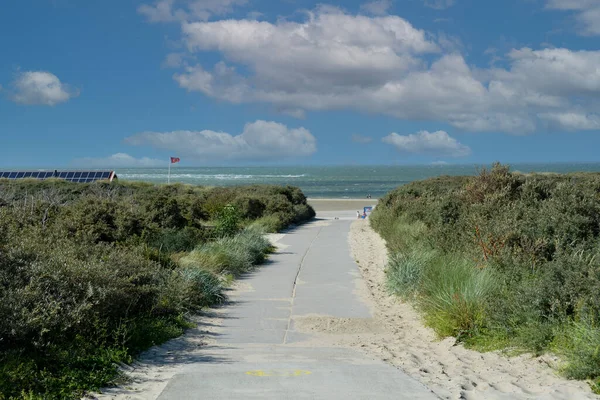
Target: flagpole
x,y
169,176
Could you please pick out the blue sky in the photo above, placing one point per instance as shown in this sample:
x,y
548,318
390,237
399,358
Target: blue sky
x,y
247,82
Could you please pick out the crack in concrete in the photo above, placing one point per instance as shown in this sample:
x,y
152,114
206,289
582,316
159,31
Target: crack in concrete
x,y
287,329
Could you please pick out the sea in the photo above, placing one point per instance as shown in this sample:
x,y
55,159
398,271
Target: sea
x,y
351,182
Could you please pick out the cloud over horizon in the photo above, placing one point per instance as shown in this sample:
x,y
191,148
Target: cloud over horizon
x,y
118,160
434,144
260,140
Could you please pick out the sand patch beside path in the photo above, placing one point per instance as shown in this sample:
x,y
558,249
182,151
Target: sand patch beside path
x,y
450,370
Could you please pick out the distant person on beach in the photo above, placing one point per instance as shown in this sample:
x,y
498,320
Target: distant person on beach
x,y
358,215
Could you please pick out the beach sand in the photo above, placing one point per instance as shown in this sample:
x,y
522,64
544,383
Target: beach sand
x,y
341,204
446,367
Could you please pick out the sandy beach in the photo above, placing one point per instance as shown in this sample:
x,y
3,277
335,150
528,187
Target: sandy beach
x,y
341,204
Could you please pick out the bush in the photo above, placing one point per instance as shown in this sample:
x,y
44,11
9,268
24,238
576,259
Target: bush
x,y
92,274
580,344
303,212
228,221
177,240
271,223
516,259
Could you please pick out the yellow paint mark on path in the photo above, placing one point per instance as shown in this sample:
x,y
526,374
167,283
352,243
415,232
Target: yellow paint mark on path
x,y
278,372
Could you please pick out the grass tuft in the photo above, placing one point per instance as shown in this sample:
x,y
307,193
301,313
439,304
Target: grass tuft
x,y
454,296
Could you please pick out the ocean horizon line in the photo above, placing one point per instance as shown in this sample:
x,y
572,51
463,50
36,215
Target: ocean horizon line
x,y
433,164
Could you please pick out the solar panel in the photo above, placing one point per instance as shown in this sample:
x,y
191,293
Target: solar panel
x,y
72,176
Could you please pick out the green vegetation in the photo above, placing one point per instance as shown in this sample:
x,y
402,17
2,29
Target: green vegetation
x,y
93,274
502,260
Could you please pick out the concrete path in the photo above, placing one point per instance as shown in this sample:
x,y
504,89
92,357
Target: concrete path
x,y
260,355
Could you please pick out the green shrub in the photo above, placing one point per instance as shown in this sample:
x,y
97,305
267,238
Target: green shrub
x,y
270,223
177,240
516,259
91,275
250,207
579,342
228,221
303,212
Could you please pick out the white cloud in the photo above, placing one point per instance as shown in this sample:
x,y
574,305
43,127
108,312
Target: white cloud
x,y
260,140
554,72
383,65
174,60
330,49
356,138
377,7
119,160
587,13
436,144
39,87
439,4
187,10
572,121
161,11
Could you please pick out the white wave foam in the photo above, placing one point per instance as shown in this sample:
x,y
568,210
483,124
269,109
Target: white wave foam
x,y
206,176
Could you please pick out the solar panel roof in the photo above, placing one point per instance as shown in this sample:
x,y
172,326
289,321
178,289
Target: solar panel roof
x,y
71,176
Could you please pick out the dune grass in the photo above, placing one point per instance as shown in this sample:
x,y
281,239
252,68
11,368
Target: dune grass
x,y
502,261
233,255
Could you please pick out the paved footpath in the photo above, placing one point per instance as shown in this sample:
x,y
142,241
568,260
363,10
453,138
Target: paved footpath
x,y
259,354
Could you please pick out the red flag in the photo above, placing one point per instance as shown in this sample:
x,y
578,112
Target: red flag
x,y
175,160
